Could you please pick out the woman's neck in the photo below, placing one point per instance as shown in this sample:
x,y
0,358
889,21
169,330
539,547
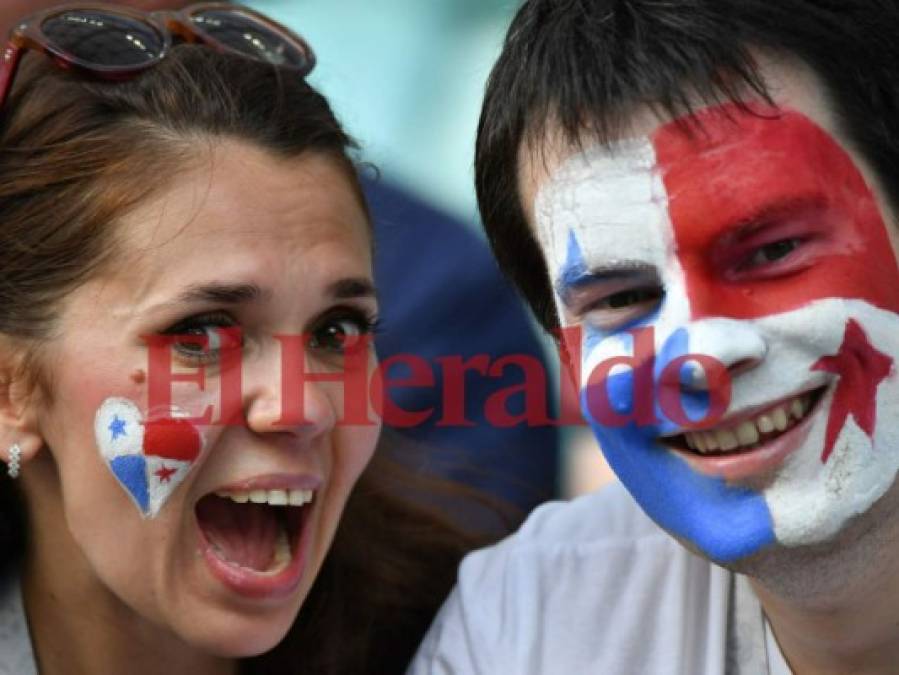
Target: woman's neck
x,y
78,626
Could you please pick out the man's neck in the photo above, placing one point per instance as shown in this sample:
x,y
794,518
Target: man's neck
x,y
835,608
862,639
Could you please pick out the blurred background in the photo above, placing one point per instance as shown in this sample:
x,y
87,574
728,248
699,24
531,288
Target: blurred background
x,y
406,78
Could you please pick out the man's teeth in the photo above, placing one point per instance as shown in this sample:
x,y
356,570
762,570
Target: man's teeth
x,y
749,432
270,497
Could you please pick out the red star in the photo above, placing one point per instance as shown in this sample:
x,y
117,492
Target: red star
x,y
861,368
165,474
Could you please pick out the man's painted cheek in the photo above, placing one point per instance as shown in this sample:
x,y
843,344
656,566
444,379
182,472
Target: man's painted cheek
x,y
633,378
765,229
148,455
724,521
771,214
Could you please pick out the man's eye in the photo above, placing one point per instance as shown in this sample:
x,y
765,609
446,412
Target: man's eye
x,y
772,252
341,333
617,310
630,298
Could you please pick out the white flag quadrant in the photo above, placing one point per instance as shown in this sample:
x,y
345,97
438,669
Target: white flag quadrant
x,y
163,477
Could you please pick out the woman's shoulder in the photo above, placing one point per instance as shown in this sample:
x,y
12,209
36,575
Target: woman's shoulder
x,y
16,657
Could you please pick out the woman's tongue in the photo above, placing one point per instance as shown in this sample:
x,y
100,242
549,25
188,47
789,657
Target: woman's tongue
x,y
243,534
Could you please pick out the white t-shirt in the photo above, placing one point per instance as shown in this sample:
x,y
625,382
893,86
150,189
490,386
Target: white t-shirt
x,y
594,586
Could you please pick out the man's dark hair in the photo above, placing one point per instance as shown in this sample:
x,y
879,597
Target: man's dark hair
x,y
585,66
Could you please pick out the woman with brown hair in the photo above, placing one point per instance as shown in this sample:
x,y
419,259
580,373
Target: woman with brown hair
x,y
179,215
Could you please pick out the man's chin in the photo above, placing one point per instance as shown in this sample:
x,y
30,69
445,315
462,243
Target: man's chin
x,y
825,574
740,565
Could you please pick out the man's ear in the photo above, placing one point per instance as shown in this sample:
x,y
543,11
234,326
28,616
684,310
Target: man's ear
x,y
19,396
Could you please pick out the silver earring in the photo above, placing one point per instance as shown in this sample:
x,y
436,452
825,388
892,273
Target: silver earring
x,y
15,459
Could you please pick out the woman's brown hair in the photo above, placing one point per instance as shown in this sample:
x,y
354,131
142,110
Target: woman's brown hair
x,y
77,155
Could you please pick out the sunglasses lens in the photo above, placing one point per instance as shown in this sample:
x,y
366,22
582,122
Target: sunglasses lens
x,y
252,38
103,39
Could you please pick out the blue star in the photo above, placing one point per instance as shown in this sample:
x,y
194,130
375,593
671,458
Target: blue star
x,y
117,427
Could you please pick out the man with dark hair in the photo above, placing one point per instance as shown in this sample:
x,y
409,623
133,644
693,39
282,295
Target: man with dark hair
x,y
702,194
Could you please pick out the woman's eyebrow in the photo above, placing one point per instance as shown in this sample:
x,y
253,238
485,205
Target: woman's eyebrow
x,y
222,293
356,287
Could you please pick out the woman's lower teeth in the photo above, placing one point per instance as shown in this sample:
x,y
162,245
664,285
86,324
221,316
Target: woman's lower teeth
x,y
281,554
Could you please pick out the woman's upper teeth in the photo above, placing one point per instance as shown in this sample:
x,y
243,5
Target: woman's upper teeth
x,y
270,497
748,432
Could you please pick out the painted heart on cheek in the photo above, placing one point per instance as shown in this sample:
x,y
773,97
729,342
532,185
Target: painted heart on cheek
x,y
149,458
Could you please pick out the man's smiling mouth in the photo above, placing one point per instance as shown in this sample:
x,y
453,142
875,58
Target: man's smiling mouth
x,y
749,432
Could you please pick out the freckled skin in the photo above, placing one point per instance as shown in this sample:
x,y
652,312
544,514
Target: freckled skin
x,y
139,376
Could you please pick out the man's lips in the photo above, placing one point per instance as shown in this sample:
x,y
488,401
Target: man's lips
x,y
759,454
750,428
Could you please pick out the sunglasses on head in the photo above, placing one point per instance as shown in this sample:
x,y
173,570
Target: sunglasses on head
x,y
110,42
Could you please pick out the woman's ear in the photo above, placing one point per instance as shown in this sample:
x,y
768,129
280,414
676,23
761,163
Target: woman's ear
x,y
18,409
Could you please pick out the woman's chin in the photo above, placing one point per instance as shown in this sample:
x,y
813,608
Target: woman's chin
x,y
229,635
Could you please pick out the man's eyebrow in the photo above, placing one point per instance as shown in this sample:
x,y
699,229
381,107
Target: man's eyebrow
x,y
766,214
577,276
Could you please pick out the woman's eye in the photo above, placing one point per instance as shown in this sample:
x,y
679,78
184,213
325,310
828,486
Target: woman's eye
x,y
341,333
619,309
203,338
772,252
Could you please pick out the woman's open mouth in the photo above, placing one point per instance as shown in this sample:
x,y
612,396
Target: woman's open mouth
x,y
754,443
253,540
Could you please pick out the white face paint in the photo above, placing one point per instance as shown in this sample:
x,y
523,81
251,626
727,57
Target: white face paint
x,y
789,284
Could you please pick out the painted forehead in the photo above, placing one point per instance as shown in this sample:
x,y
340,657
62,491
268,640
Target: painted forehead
x,y
692,191
709,159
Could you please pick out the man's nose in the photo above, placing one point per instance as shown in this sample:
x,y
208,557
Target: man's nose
x,y
737,346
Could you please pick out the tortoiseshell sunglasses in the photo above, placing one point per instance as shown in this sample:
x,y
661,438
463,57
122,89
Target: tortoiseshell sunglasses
x,y
114,43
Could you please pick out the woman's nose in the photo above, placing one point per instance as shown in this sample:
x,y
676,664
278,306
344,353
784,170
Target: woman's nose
x,y
276,403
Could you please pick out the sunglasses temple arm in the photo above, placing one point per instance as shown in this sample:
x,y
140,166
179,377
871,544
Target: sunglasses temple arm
x,y
12,56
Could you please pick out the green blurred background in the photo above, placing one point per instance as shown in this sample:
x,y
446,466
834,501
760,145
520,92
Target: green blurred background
x,y
406,78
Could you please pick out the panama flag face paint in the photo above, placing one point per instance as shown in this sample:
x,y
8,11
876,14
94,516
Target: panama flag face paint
x,y
149,457
754,240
